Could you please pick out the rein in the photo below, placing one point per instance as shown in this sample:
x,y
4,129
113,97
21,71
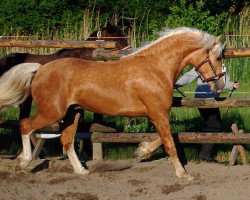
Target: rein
x,y
212,78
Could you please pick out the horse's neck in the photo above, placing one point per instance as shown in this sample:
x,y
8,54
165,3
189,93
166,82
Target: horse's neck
x,y
169,58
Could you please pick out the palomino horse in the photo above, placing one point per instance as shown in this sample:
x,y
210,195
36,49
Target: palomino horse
x,y
109,33
140,84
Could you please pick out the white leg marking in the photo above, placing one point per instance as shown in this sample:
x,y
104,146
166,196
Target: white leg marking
x,y
77,166
26,156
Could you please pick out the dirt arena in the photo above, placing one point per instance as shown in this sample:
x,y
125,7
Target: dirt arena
x,y
54,179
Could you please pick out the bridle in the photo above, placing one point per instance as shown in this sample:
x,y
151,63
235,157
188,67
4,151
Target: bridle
x,y
99,34
212,78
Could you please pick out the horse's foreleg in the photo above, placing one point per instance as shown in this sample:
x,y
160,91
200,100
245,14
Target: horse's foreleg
x,y
161,121
67,140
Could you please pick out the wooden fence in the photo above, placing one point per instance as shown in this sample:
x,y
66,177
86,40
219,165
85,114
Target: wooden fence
x,y
57,44
228,53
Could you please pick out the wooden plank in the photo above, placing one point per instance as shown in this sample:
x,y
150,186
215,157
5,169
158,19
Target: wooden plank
x,y
233,155
38,148
240,149
183,137
123,137
47,135
210,103
57,44
236,52
228,53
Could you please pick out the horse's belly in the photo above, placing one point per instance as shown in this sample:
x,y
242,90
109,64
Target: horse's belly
x,y
111,105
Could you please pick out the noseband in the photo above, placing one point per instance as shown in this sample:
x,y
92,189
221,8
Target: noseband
x,y
212,78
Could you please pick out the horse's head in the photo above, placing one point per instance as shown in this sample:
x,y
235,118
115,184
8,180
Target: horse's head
x,y
208,63
114,33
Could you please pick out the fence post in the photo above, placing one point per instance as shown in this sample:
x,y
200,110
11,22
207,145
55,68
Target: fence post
x,y
237,149
97,150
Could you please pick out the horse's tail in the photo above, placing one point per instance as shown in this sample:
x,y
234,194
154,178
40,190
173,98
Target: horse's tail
x,y
15,84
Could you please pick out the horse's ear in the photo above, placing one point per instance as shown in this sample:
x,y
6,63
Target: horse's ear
x,y
111,24
223,49
110,27
217,39
112,21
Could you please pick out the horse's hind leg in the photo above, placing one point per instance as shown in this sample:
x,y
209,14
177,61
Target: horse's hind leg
x,y
27,126
161,121
67,140
25,108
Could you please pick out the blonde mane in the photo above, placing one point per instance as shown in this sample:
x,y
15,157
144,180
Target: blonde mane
x,y
203,39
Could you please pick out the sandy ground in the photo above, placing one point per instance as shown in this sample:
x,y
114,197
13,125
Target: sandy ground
x,y
54,179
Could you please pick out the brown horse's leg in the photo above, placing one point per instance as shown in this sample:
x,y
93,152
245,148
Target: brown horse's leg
x,y
25,108
67,140
161,121
98,118
27,126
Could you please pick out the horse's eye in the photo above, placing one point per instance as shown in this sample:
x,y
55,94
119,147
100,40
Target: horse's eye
x,y
219,58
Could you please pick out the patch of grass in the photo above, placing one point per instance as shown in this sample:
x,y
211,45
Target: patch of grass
x,y
115,151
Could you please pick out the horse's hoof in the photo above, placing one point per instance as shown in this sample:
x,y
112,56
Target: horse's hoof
x,y
142,152
83,172
22,162
186,176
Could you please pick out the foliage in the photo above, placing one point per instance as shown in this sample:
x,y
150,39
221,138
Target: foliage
x,y
195,15
32,16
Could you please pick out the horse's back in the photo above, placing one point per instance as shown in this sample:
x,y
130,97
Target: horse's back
x,y
11,60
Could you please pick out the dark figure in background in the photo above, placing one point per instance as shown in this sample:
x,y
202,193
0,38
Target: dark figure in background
x,y
211,116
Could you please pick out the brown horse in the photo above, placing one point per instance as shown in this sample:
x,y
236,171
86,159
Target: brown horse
x,y
140,84
109,33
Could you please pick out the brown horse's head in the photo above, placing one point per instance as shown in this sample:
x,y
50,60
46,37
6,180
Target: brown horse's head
x,y
112,33
208,62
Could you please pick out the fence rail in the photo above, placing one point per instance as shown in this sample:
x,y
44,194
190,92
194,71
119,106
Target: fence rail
x,y
228,53
210,103
182,137
57,44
